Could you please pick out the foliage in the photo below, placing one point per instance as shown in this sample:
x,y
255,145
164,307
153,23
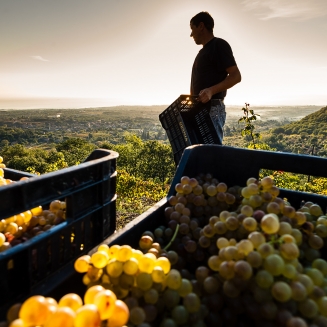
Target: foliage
x,y
75,150
36,161
135,194
297,182
144,159
248,117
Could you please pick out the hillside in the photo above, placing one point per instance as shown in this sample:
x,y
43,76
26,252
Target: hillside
x,y
315,123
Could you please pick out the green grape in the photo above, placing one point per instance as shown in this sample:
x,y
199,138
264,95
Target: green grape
x,y
210,285
284,228
321,231
222,242
151,296
265,249
299,292
289,271
144,281
168,322
171,298
296,322
174,279
255,201
256,239
230,252
246,193
308,308
180,315
87,315
191,302
220,227
316,242
130,267
243,269
270,223
232,223
274,264
321,265
316,276
126,281
281,291
297,236
273,207
254,259
250,224
322,305
230,289
289,251
306,281
224,215
264,279
245,246
137,315
226,269
114,268
185,288
214,263
105,302
247,210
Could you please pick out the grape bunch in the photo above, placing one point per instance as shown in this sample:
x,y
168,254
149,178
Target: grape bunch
x,y
225,256
100,305
21,227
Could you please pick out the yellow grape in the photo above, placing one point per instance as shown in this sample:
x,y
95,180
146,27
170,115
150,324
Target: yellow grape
x,y
146,264
158,274
63,317
114,268
137,254
113,251
81,264
174,279
164,263
105,302
124,253
87,316
34,311
105,248
71,300
131,266
91,293
120,315
144,281
270,223
99,259
17,323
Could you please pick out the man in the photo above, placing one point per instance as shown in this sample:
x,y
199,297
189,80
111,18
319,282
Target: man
x,y
214,69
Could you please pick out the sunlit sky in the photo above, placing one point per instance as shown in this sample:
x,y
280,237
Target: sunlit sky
x,y
125,52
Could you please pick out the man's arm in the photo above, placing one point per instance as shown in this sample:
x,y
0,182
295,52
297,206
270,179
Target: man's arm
x,y
233,77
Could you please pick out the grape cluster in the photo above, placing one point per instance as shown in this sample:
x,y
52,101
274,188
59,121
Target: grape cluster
x,y
100,305
21,227
227,256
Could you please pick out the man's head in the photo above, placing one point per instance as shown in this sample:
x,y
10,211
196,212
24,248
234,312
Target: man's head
x,y
202,26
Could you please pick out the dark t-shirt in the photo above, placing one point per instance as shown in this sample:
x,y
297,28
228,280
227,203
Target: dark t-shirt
x,y
210,65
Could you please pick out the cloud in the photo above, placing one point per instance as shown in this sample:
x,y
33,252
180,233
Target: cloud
x,y
39,58
299,10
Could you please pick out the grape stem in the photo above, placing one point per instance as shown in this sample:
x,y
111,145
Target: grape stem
x,y
173,238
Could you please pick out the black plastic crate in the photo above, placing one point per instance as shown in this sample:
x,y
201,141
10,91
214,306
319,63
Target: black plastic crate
x,y
230,165
188,122
41,263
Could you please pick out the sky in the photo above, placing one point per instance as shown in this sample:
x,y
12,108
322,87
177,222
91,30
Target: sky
x,y
82,53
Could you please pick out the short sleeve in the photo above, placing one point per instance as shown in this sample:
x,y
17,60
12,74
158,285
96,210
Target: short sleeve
x,y
225,54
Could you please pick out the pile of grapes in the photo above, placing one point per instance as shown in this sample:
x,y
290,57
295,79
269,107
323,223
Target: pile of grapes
x,y
237,256
21,227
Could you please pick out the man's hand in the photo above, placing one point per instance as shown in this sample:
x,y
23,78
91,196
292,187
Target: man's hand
x,y
205,95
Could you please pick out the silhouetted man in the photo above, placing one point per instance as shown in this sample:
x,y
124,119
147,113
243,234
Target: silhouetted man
x,y
214,69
